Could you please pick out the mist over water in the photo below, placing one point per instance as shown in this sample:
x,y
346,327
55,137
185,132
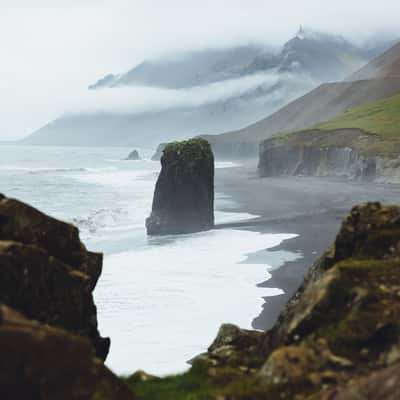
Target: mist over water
x,y
160,299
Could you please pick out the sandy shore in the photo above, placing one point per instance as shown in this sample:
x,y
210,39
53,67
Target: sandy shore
x,y
313,208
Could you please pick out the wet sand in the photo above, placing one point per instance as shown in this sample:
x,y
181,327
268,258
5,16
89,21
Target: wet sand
x,y
311,207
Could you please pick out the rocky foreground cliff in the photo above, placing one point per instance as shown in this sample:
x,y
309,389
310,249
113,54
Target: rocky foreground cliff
x,y
50,345
338,338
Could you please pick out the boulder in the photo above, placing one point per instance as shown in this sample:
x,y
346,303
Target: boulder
x,y
46,273
133,156
184,194
235,348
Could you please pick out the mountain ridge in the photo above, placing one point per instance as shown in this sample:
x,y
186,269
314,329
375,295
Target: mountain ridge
x,y
324,102
291,79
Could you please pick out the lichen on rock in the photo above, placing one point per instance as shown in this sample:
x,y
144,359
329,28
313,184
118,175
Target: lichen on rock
x,y
184,194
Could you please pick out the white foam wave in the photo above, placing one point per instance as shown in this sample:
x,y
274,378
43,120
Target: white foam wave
x,y
35,170
171,296
226,164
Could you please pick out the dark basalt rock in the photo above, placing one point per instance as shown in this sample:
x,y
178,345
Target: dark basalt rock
x,y
184,194
39,362
46,273
133,156
43,363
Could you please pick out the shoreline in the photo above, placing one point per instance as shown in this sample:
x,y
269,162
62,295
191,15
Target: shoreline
x,y
312,208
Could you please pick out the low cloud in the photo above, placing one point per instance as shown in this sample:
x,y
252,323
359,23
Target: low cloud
x,y
53,49
137,99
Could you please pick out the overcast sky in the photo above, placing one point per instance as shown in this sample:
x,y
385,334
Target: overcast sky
x,y
52,51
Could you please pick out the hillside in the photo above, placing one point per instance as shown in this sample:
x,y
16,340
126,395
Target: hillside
x,y
362,143
263,80
381,118
321,104
387,65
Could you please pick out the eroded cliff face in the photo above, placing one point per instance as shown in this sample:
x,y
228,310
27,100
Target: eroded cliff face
x,y
184,194
342,153
338,338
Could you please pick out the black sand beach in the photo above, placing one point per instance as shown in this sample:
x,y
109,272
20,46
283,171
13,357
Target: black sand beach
x,y
311,207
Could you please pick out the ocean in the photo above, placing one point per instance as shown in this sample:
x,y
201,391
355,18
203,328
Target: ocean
x,y
161,300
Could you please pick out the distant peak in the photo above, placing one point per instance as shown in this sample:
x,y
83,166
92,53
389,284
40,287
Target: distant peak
x,y
301,33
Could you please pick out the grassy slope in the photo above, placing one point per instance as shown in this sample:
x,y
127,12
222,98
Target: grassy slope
x,y
381,118
373,129
196,384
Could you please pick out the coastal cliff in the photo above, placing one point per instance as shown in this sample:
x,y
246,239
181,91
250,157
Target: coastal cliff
x,y
184,194
337,338
308,154
361,144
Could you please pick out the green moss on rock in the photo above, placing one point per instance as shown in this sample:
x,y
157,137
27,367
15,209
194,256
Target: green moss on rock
x,y
341,330
190,150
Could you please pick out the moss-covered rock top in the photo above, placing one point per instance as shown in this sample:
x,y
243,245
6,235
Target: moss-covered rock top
x,y
192,149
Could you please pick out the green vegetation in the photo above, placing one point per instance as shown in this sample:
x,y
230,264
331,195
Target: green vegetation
x,y
193,149
372,129
204,383
200,383
193,385
381,118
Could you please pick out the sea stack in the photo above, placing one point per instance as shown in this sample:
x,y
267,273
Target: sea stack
x,y
133,156
184,194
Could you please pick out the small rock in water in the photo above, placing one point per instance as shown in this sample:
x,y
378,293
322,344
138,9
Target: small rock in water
x,y
133,155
